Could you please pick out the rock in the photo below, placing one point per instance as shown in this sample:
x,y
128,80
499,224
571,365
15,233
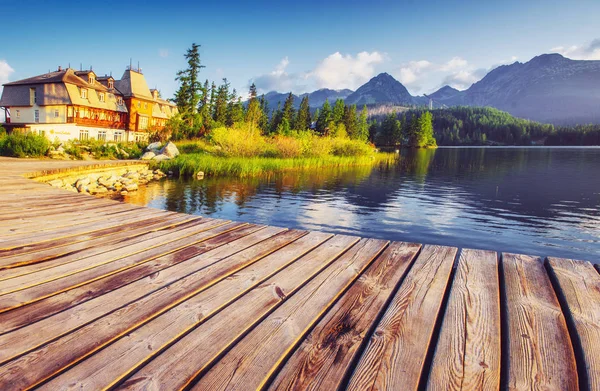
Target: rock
x,y
60,149
159,172
148,155
124,192
98,190
170,150
123,154
82,182
154,146
56,183
161,157
200,175
157,177
131,187
170,173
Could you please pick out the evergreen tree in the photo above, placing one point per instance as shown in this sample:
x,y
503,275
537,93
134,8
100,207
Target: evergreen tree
x,y
263,123
303,118
288,110
188,95
205,109
338,111
362,128
324,118
391,130
221,101
350,121
253,112
276,119
235,109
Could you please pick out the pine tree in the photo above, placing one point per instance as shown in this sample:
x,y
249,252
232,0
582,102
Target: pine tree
x,y
235,109
189,93
221,101
263,123
350,121
205,109
324,118
362,132
253,112
288,111
338,111
303,118
276,119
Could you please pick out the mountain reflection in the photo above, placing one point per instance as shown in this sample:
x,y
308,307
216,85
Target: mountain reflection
x,y
543,201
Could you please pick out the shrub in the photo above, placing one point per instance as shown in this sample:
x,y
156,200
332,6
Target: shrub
x,y
286,147
346,147
18,144
239,140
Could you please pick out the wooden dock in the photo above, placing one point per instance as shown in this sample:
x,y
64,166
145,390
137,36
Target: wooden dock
x,y
97,294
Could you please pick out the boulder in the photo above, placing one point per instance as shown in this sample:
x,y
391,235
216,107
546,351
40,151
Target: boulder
x,y
154,146
161,157
82,182
131,187
56,183
170,150
148,155
200,175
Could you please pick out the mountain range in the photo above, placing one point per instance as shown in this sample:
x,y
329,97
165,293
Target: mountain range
x,y
549,88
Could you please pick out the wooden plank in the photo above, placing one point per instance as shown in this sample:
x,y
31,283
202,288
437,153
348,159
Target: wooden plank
x,y
60,354
40,211
156,291
99,371
396,352
467,355
198,349
43,308
327,354
578,288
125,235
105,268
539,351
252,361
27,240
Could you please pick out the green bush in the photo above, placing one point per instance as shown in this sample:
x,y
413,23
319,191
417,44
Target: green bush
x,y
18,144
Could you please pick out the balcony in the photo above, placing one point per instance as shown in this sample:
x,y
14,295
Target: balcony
x,y
100,123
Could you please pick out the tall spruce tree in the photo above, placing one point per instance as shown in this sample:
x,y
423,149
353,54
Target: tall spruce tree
x,y
324,118
303,118
338,111
263,123
350,121
221,101
253,112
288,114
362,132
235,109
189,94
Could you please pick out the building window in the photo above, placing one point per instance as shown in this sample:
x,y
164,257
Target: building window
x,y
56,113
143,123
84,135
32,96
36,116
102,97
139,105
118,136
102,135
145,106
91,79
120,101
84,93
111,84
18,113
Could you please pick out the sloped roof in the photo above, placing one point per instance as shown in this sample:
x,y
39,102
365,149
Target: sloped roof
x,y
133,84
67,76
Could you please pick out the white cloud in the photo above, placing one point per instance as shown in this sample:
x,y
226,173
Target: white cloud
x,y
339,71
164,53
5,71
336,71
589,51
422,76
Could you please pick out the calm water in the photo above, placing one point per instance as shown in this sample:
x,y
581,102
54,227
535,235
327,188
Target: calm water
x,y
538,201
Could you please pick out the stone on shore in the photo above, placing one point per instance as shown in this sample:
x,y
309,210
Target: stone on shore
x,y
170,150
148,155
161,157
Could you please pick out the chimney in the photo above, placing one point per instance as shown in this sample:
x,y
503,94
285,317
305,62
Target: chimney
x,y
59,68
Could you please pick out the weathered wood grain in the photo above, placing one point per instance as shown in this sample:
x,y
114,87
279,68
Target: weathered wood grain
x,y
539,351
327,353
197,350
396,352
140,346
579,289
105,269
59,354
467,355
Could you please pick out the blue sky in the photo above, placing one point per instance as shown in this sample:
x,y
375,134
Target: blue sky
x,y
297,46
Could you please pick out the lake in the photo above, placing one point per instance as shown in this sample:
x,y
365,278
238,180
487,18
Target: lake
x,y
537,201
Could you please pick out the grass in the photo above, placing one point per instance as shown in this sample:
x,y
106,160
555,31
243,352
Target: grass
x,y
242,167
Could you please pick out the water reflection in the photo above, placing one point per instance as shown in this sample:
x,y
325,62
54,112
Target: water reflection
x,y
543,201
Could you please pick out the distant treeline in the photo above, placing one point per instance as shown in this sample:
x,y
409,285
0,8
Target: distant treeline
x,y
575,135
481,126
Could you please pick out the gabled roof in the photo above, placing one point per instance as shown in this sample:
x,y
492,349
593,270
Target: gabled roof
x,y
68,76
